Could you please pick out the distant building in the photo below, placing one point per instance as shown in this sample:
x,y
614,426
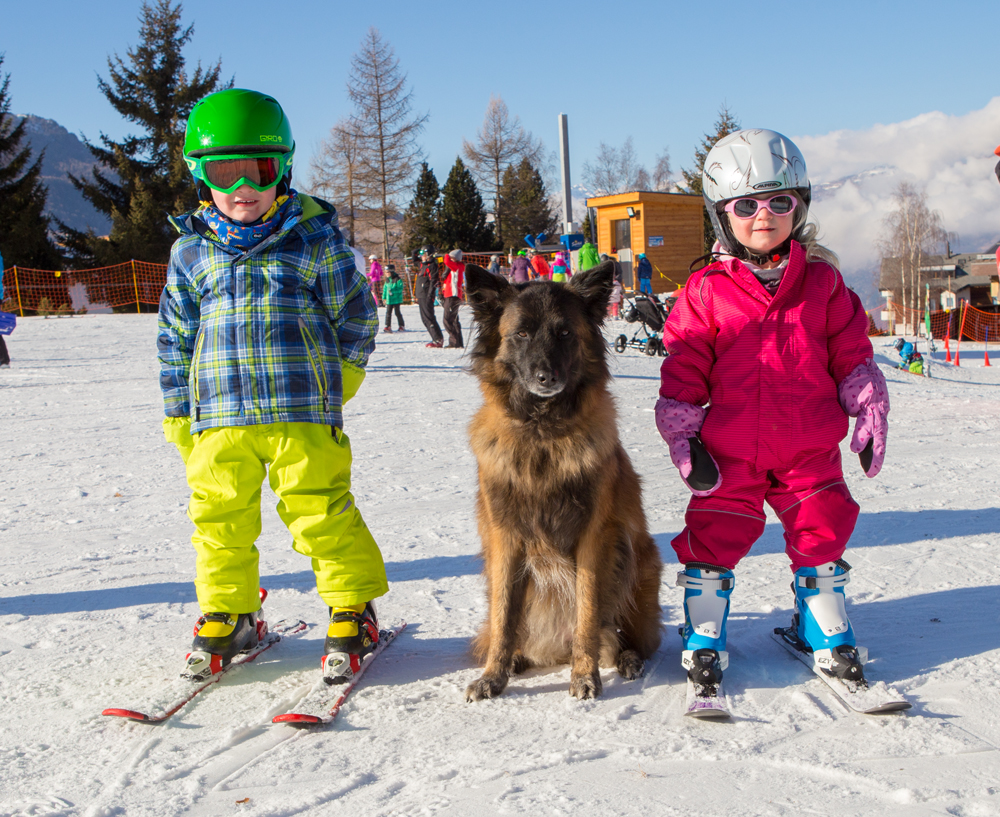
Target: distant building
x,y
969,277
668,227
947,279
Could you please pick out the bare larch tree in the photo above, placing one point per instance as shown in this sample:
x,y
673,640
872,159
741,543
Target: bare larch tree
x,y
384,128
335,174
910,232
501,142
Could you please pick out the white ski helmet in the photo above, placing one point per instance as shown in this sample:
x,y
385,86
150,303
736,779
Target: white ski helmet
x,y
748,163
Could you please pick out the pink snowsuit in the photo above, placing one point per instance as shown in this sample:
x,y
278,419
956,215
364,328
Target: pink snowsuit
x,y
375,273
769,368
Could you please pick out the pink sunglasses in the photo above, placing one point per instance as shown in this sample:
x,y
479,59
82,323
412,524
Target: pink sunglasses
x,y
780,205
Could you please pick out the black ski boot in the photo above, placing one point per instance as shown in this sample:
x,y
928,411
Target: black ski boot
x,y
218,638
352,635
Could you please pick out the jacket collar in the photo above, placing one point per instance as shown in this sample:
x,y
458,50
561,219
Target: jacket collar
x,y
312,219
747,281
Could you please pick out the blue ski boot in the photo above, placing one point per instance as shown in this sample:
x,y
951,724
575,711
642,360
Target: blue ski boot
x,y
706,607
820,623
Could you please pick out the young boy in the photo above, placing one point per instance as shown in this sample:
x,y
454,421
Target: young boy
x,y
265,329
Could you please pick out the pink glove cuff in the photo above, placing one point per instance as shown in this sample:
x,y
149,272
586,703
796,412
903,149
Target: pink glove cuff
x,y
677,423
865,386
864,394
676,419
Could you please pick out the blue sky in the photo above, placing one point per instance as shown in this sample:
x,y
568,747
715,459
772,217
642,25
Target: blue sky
x,y
655,70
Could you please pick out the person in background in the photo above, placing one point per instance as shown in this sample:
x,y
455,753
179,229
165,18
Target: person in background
x,y
4,356
619,274
910,359
392,297
587,257
375,274
644,272
614,304
520,269
452,292
494,266
428,280
560,268
541,266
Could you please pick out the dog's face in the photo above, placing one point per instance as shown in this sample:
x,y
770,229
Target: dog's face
x,y
542,340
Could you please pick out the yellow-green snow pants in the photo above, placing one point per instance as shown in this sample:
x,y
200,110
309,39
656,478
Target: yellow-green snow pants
x,y
309,468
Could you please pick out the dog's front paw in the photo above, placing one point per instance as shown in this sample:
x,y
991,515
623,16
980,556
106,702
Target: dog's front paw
x,y
630,665
582,687
486,687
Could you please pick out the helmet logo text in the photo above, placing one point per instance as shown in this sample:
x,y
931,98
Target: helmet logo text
x,y
766,185
267,138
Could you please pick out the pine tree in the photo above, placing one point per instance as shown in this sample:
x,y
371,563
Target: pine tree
x,y
724,125
23,224
420,221
143,178
524,202
462,218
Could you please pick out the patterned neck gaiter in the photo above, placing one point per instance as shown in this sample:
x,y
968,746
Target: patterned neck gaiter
x,y
244,236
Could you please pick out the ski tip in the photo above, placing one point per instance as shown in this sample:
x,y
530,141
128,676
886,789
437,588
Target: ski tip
x,y
297,719
886,708
127,713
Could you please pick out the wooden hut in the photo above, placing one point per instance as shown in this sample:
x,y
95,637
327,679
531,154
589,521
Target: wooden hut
x,y
668,227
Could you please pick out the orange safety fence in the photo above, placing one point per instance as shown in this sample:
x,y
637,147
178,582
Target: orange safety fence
x,y
972,323
133,286
123,287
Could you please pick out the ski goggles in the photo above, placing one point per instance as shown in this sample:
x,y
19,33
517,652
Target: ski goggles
x,y
780,205
261,171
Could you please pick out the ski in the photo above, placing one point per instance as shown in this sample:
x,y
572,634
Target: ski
x,y
866,697
167,701
705,703
322,704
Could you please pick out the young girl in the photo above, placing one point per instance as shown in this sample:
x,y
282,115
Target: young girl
x,y
768,357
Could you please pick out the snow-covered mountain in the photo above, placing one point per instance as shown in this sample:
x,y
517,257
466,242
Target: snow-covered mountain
x,y
64,153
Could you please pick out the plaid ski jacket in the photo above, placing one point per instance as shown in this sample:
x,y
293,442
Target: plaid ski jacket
x,y
280,333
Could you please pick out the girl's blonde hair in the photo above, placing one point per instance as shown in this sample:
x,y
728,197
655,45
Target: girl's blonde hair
x,y
807,234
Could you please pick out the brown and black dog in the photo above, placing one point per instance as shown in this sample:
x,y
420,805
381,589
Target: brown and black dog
x,y
572,574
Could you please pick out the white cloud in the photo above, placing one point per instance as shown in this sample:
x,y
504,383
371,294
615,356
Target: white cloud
x,y
855,172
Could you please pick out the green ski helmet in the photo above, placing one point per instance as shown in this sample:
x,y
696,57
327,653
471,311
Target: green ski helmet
x,y
237,137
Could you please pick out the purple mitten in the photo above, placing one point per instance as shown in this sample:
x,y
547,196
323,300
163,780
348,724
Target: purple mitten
x,y
678,422
863,394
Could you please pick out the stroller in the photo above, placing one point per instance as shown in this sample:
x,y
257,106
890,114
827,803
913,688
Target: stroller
x,y
650,314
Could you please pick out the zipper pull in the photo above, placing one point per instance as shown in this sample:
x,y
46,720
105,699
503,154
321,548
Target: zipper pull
x,y
326,402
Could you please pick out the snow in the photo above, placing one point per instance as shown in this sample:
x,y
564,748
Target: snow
x,y
97,601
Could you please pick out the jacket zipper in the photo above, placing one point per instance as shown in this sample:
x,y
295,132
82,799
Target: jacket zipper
x,y
312,346
194,376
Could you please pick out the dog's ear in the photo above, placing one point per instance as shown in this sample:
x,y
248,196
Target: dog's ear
x,y
485,291
594,286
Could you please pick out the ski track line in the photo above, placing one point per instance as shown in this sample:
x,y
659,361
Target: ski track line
x,y
112,794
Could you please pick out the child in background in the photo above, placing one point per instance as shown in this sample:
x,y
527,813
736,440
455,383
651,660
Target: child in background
x,y
560,268
392,297
265,329
375,275
910,358
768,357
